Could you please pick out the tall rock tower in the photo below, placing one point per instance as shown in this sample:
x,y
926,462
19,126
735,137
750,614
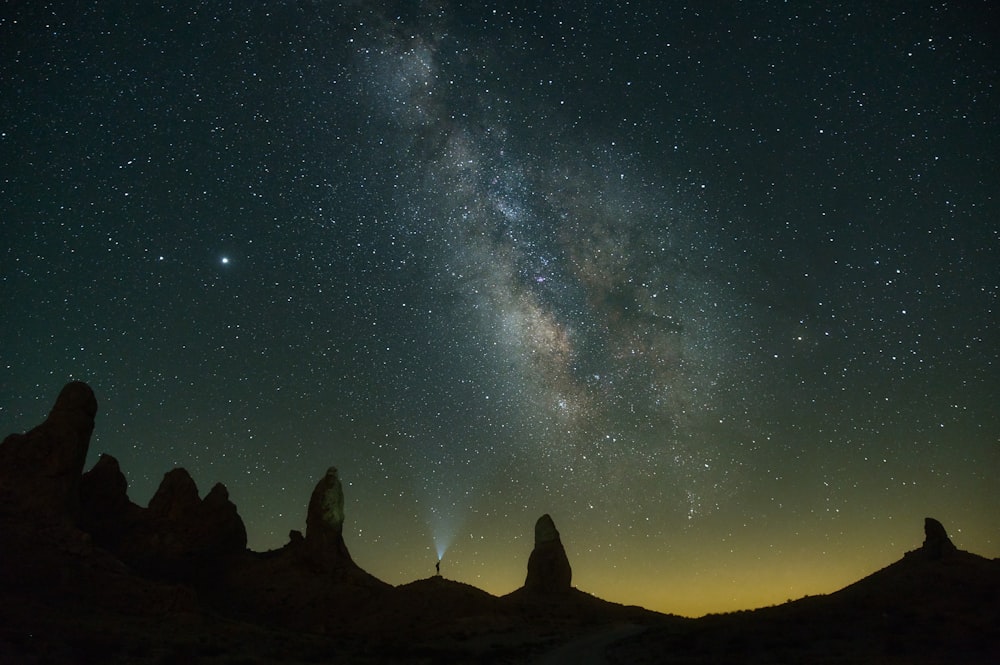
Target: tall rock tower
x,y
548,566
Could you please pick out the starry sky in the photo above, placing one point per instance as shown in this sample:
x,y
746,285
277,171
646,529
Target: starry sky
x,y
714,284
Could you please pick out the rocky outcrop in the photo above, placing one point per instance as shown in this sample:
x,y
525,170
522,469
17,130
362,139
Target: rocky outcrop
x,y
936,542
106,512
181,536
176,499
51,564
324,540
311,583
40,470
548,566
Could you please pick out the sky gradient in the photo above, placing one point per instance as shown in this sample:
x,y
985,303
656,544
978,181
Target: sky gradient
x,y
715,286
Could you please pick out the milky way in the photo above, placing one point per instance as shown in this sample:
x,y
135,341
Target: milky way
x,y
715,288
572,291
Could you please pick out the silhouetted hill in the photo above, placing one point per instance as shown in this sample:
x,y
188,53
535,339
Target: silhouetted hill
x,y
928,607
436,599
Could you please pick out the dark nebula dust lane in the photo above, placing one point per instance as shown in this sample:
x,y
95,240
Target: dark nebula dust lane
x,y
716,287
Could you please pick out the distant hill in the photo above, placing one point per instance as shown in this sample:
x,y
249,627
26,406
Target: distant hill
x,y
935,605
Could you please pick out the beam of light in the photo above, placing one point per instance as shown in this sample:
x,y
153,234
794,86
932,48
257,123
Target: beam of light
x,y
443,532
444,489
445,517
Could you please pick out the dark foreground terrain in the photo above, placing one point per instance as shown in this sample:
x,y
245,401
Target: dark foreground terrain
x,y
87,576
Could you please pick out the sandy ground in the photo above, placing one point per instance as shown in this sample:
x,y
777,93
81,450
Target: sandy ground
x,y
589,650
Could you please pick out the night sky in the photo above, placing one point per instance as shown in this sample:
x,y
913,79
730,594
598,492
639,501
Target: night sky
x,y
714,284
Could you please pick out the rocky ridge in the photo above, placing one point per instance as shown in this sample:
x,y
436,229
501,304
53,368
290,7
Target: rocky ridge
x,y
198,546
84,569
40,470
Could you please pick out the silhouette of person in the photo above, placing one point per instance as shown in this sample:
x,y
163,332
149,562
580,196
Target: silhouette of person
x,y
437,567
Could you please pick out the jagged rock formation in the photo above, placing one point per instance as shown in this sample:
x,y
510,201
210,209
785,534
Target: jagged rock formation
x,y
936,542
106,512
176,497
548,566
210,525
324,540
193,526
178,537
311,583
322,549
50,563
40,470
78,561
